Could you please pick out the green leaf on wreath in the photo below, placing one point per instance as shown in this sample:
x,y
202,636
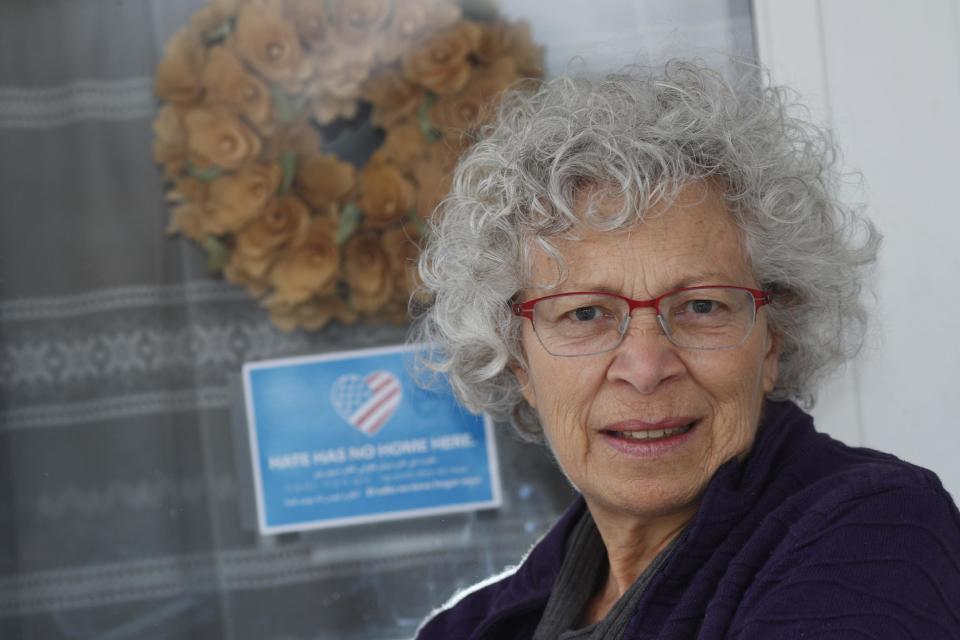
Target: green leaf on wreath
x,y
350,217
288,164
426,127
218,34
209,174
218,254
288,106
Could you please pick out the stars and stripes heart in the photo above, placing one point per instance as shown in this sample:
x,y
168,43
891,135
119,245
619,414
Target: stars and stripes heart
x,y
366,403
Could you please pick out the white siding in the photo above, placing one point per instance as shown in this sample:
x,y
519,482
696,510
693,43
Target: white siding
x,y
885,76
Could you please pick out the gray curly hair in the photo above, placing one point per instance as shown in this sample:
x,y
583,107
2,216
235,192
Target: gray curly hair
x,y
642,135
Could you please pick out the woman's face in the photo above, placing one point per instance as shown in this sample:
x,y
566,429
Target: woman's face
x,y
588,404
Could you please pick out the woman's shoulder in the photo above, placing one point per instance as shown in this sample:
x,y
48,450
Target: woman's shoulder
x,y
865,542
813,470
877,552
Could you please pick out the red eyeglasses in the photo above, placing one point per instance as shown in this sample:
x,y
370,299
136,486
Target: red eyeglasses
x,y
584,323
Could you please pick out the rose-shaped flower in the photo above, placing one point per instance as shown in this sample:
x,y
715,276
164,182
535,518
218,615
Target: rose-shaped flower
x,y
358,25
179,75
283,224
403,249
313,26
312,314
338,70
270,45
412,21
310,268
217,138
240,271
228,83
442,63
393,97
434,177
326,108
323,180
237,198
190,220
367,271
404,146
385,195
187,199
343,80
464,111
513,40
188,190
169,141
300,138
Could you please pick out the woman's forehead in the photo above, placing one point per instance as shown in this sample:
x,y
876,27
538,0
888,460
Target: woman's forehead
x,y
692,239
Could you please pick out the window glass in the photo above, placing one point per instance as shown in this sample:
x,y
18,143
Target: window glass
x,y
122,468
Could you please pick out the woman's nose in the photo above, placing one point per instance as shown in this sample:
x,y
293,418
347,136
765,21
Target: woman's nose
x,y
645,359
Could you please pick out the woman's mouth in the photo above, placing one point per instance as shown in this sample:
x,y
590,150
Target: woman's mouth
x,y
650,440
654,434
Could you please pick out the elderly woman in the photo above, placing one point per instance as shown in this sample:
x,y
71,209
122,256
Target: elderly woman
x,y
645,274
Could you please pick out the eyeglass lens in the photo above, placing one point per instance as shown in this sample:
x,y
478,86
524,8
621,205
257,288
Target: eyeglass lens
x,y
583,324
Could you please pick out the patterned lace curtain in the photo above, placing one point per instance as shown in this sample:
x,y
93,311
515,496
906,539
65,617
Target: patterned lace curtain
x,y
126,497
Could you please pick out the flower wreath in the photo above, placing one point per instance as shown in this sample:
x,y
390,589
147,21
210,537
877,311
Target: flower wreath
x,y
269,107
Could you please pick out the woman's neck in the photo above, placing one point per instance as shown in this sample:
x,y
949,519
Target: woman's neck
x,y
632,543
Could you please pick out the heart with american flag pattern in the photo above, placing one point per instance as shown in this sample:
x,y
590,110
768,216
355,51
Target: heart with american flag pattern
x,y
366,403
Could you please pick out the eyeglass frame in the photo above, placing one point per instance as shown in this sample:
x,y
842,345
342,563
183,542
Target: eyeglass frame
x,y
761,297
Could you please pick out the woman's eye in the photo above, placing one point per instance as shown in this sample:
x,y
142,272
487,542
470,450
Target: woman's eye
x,y
703,306
586,314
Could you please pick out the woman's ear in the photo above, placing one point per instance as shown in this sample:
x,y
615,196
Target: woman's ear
x,y
771,361
523,379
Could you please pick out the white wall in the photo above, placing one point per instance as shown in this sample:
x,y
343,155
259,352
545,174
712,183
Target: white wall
x,y
885,76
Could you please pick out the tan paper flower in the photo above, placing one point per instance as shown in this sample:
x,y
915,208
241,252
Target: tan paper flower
x,y
322,180
385,195
187,199
442,63
217,138
188,190
178,79
190,220
358,25
313,26
393,97
462,112
338,69
283,224
514,40
169,141
367,271
326,108
309,269
228,83
269,44
433,176
404,146
300,138
412,21
237,198
403,248
312,314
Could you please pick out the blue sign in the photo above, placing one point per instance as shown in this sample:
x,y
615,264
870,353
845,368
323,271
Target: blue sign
x,y
349,437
